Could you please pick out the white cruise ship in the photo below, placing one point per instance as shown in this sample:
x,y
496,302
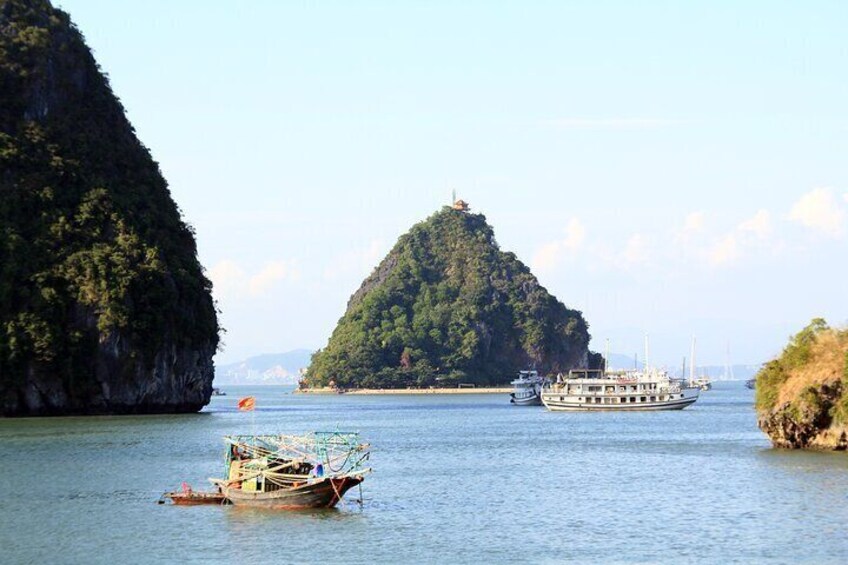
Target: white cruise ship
x,y
527,388
586,389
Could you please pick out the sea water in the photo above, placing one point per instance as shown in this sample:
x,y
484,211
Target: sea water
x,y
457,479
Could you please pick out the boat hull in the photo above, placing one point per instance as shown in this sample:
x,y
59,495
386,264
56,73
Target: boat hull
x,y
194,498
534,400
322,494
553,403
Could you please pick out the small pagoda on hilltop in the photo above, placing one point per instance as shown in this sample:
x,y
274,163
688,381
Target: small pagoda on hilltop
x,y
461,206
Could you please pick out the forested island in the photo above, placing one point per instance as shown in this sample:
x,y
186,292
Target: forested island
x,y
802,396
445,307
104,307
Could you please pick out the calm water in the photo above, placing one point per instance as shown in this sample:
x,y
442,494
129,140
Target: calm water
x,y
458,479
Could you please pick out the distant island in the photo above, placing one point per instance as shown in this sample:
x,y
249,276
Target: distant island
x,y
802,396
446,307
104,307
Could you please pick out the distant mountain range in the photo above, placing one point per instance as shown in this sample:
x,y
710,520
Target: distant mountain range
x,y
715,372
268,369
284,369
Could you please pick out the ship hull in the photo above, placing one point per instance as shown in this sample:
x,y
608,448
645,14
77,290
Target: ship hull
x,y
553,403
321,494
534,400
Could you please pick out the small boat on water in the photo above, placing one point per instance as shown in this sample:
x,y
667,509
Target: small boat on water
x,y
597,390
751,383
527,389
703,383
190,497
293,472
218,392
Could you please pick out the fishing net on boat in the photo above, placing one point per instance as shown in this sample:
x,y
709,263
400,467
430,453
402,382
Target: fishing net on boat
x,y
286,459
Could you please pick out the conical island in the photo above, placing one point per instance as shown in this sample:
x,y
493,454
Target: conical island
x,y
104,307
447,306
802,396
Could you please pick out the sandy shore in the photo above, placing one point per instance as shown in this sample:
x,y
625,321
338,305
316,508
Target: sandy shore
x,y
479,390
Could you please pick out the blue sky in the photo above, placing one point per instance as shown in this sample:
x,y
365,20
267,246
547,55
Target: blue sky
x,y
667,168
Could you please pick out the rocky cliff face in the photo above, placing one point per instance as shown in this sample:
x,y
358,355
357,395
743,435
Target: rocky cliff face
x,y
802,396
447,306
104,307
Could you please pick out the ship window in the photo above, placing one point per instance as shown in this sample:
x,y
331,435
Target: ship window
x,y
653,399
623,399
632,399
643,399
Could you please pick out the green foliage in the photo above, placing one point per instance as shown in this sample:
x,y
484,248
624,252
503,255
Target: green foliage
x,y
91,243
446,306
794,355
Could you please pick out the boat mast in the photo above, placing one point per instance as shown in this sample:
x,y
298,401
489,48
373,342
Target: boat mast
x,y
606,358
646,353
692,366
728,368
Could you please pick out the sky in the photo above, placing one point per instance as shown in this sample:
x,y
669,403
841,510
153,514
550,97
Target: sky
x,y
674,169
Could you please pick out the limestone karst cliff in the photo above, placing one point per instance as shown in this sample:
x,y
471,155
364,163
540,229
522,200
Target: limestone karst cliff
x,y
104,307
446,305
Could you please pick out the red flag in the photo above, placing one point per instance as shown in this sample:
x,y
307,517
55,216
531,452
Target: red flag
x,y
247,403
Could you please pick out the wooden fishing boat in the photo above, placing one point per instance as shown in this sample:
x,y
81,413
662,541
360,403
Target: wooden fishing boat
x,y
292,472
320,493
187,496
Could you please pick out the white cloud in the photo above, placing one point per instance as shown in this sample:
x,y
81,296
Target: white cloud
x,y
227,278
610,123
230,279
725,251
270,274
546,257
759,224
693,225
694,222
550,254
575,235
636,250
820,210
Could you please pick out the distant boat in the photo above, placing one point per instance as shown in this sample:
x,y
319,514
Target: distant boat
x,y
703,382
751,383
218,392
596,390
526,389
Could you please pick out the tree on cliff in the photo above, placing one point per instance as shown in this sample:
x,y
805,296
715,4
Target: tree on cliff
x,y
446,306
104,306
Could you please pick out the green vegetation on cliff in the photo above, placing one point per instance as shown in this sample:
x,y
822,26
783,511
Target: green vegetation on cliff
x,y
92,247
447,306
802,396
